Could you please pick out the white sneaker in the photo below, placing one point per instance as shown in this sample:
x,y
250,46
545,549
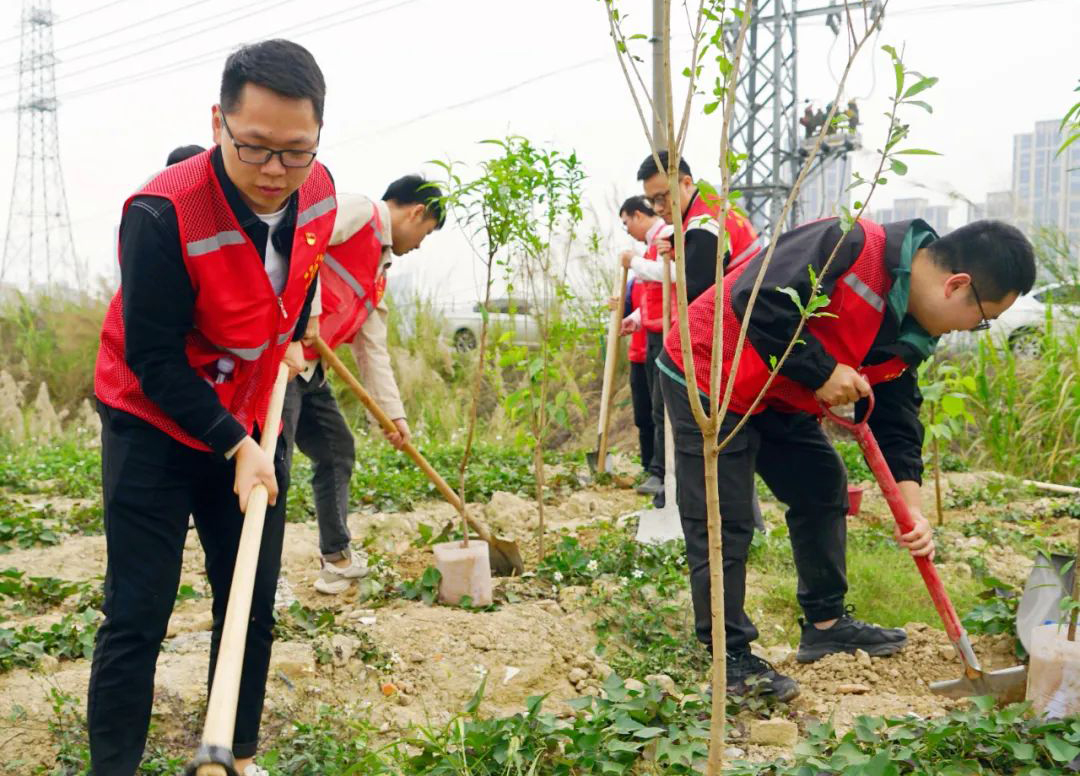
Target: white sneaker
x,y
255,770
334,579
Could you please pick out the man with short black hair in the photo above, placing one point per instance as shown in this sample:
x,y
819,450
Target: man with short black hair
x,y
180,153
701,229
350,307
218,257
893,290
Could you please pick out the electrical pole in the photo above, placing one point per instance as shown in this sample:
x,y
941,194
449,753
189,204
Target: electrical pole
x,y
39,248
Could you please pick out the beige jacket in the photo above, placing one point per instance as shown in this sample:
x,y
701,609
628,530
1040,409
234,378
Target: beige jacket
x,y
370,345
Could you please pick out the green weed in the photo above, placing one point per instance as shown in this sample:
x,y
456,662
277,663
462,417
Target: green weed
x,y
70,638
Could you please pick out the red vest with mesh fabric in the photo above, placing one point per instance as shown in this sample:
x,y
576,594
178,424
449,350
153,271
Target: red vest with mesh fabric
x,y
351,284
241,326
857,301
635,349
745,244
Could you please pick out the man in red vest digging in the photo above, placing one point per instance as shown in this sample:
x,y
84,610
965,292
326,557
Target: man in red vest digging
x,y
702,229
893,290
218,258
351,308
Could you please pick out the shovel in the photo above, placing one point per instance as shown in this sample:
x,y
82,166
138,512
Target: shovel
x,y
504,555
1051,580
215,757
600,461
1007,683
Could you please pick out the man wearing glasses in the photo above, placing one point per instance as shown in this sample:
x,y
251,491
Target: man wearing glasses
x,y
218,259
701,226
893,290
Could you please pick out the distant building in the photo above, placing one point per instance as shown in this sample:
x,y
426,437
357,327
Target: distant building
x,y
999,205
915,207
1046,185
825,189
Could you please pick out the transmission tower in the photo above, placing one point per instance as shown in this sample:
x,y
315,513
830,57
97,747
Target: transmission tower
x,y
766,118
39,248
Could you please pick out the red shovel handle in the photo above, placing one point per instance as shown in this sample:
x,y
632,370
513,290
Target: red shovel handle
x,y
885,480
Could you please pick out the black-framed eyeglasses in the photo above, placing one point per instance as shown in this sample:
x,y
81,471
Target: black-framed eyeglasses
x,y
255,154
984,323
659,200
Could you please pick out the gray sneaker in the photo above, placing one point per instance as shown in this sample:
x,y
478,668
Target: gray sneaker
x,y
334,579
651,486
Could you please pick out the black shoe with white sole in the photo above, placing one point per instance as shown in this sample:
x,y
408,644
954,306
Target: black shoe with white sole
x,y
848,635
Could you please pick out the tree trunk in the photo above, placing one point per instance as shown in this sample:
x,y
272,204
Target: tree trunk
x,y
719,630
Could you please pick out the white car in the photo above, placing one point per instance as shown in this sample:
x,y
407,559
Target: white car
x,y
462,327
1022,325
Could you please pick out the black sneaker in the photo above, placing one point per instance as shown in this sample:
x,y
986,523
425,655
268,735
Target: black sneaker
x,y
750,676
659,500
651,486
847,635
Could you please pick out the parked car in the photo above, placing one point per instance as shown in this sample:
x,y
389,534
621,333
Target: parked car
x,y
462,327
1022,325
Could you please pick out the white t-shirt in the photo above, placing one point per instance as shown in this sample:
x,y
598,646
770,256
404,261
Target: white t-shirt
x,y
277,266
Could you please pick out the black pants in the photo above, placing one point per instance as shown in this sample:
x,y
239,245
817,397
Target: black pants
x,y
151,484
313,422
642,401
654,346
796,461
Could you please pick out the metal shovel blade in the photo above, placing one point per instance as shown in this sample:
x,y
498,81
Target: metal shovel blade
x,y
1007,684
1046,586
593,459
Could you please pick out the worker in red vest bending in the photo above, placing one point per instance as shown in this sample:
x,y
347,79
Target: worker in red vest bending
x,y
218,259
702,230
893,290
640,398
351,309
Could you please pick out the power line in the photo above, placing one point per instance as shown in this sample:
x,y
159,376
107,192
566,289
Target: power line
x,y
293,31
110,33
215,23
62,20
961,6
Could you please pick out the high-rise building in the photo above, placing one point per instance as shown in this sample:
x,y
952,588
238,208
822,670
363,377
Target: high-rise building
x,y
825,189
908,208
1046,185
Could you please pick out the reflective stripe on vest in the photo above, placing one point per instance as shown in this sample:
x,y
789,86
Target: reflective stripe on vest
x,y
746,253
320,208
867,294
345,275
215,242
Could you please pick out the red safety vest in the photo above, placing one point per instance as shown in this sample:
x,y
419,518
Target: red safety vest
x,y
745,244
857,301
635,349
351,283
241,326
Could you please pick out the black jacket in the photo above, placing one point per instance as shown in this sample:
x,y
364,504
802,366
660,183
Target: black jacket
x,y
159,304
895,421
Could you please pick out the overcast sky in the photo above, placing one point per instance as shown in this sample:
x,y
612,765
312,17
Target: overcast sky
x,y
413,80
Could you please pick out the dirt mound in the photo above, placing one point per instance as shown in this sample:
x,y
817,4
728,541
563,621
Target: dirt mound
x,y
841,687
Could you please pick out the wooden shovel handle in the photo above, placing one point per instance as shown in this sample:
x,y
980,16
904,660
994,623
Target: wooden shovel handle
x,y
225,694
330,357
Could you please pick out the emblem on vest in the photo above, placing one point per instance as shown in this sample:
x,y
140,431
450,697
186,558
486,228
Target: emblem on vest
x,y
309,237
312,270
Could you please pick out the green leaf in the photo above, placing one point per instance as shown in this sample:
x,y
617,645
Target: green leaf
x,y
1061,751
917,152
474,702
1021,750
924,105
920,86
711,107
898,167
